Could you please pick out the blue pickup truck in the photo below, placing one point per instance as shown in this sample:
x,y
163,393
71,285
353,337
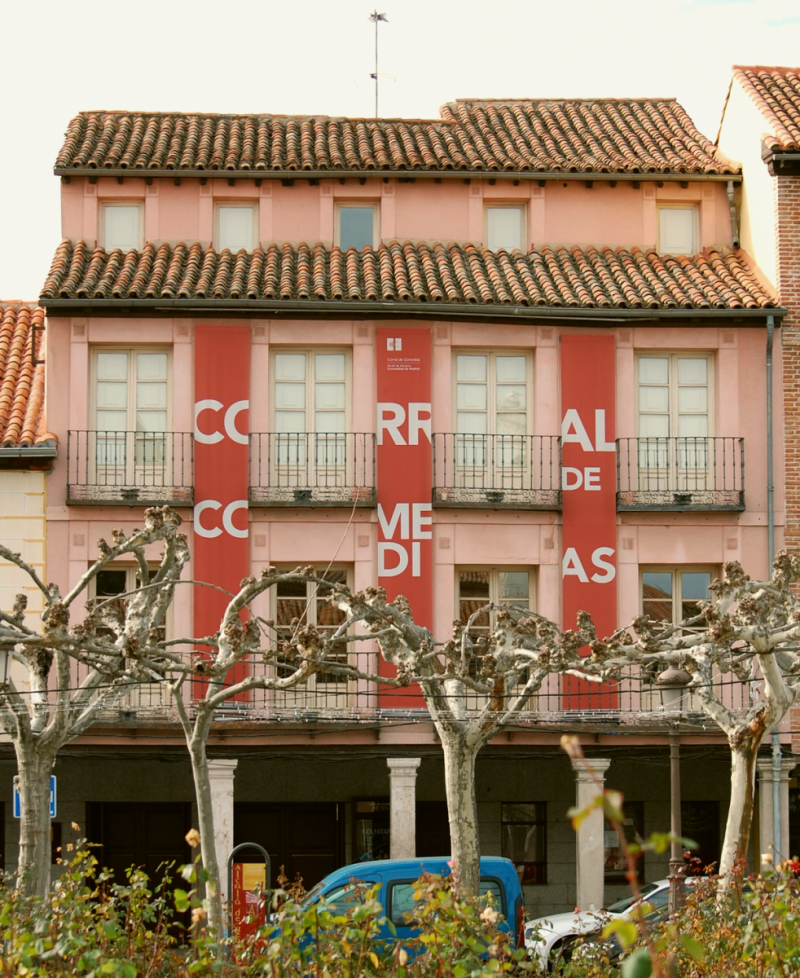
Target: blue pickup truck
x,y
396,878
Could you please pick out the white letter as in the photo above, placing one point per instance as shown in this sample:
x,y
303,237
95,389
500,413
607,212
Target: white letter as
x,y
610,569
571,565
573,420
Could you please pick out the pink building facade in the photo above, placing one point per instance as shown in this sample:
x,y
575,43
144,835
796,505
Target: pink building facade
x,y
512,355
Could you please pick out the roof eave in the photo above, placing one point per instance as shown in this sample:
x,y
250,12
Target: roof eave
x,y
782,164
94,173
400,310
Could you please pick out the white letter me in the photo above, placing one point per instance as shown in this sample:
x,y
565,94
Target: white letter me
x,y
209,404
571,565
572,420
417,524
391,416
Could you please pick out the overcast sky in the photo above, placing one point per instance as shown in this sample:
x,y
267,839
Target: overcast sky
x,y
315,56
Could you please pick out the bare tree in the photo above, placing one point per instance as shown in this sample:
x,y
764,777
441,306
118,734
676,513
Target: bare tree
x,y
749,628
115,646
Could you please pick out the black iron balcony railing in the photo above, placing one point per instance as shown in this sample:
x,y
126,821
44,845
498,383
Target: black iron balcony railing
x,y
680,474
312,469
499,471
130,467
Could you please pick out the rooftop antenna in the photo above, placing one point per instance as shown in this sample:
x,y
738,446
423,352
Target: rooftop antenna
x,y
376,18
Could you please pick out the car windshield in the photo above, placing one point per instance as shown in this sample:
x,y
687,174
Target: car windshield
x,y
622,905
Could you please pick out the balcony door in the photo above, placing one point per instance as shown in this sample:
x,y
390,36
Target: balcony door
x,y
310,454
675,423
492,421
129,444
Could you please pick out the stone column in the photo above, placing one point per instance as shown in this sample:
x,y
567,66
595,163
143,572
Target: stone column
x,y
220,774
590,867
403,806
766,833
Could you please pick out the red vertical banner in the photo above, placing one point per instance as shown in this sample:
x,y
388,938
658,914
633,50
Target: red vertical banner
x,y
589,497
405,480
221,427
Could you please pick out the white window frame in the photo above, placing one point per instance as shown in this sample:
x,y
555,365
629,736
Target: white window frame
x,y
317,692
131,463
104,206
297,458
374,206
677,205
143,696
673,384
651,699
523,222
238,204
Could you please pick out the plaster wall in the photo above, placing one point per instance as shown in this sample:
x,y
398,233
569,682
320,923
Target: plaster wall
x,y
740,135
565,213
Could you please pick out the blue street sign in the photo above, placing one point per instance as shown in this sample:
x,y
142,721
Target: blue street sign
x,y
18,806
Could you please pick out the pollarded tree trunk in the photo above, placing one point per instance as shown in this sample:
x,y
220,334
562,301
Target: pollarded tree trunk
x,y
205,817
744,751
33,784
462,809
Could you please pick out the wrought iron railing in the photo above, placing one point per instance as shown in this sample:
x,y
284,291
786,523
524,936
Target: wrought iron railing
x,y
498,471
130,467
312,469
634,701
680,474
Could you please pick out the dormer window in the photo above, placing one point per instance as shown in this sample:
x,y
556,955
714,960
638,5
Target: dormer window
x,y
235,228
356,226
122,226
504,227
677,230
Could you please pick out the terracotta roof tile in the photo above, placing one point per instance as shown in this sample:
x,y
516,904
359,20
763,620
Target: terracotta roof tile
x,y
589,278
22,421
538,135
776,94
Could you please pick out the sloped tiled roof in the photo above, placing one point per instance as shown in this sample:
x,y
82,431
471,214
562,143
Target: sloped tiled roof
x,y
588,278
543,135
776,94
22,420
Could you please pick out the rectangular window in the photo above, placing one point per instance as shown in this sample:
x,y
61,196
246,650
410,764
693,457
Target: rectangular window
x,y
504,227
122,226
677,230
236,226
492,398
300,603
357,226
311,407
615,864
131,407
480,586
121,579
524,830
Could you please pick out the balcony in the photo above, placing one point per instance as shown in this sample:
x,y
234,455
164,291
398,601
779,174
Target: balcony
x,y
497,471
312,469
130,468
680,474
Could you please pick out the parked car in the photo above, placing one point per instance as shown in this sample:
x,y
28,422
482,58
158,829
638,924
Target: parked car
x,y
549,940
396,879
